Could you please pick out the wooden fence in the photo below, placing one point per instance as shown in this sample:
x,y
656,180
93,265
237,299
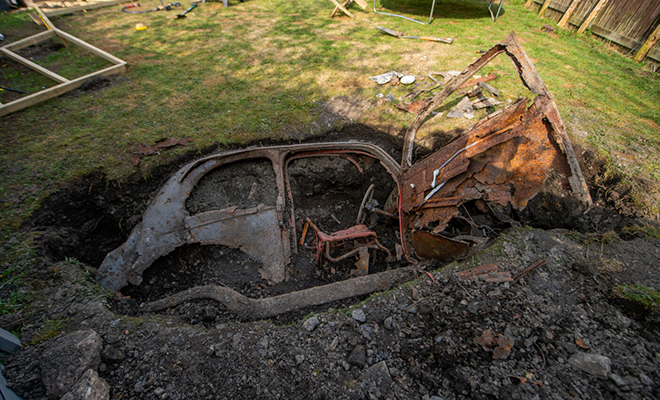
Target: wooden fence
x,y
633,24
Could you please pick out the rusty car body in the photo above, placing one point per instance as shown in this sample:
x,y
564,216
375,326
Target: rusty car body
x,y
500,163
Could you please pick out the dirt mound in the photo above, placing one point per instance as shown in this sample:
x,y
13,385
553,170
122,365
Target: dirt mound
x,y
426,339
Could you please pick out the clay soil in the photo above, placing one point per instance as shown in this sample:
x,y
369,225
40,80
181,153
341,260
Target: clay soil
x,y
413,342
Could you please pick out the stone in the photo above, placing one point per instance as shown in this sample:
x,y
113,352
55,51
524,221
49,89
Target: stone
x,y
617,379
359,315
311,323
300,359
645,379
593,364
378,375
388,323
358,357
112,354
67,359
89,387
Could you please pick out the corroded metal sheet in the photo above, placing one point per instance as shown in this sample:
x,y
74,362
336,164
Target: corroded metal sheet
x,y
241,229
429,245
504,160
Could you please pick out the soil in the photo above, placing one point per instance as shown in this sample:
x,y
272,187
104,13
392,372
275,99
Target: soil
x,y
424,340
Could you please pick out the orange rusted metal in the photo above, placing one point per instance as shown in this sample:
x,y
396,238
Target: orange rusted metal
x,y
503,160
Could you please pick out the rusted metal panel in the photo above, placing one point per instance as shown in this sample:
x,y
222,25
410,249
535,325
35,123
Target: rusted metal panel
x,y
429,245
255,231
503,159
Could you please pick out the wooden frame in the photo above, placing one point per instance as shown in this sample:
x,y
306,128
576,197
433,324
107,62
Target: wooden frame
x,y
64,85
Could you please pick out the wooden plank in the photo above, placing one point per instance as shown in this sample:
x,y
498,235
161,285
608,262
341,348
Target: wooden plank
x,y
624,41
88,46
563,22
615,37
613,13
55,91
646,23
582,11
342,8
544,8
44,18
592,15
362,4
31,40
626,18
334,12
637,19
650,42
52,75
90,6
529,4
35,18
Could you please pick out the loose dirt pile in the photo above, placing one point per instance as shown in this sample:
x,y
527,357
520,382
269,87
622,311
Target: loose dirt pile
x,y
560,332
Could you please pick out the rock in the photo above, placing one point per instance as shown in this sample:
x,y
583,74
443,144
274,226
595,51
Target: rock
x,y
389,321
359,315
378,375
311,323
112,354
645,379
300,359
593,364
333,345
617,379
67,359
358,357
89,387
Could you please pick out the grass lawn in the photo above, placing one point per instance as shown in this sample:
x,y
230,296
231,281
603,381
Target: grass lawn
x,y
259,69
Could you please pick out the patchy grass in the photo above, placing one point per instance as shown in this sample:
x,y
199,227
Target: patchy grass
x,y
50,329
638,295
17,260
646,230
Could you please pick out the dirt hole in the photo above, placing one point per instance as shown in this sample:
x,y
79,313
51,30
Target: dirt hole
x,y
94,216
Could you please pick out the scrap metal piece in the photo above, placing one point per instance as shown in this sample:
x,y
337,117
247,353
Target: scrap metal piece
x,y
414,107
489,88
462,109
429,245
503,159
238,229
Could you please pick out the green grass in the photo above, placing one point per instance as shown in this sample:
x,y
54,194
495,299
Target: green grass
x,y
17,259
257,69
639,295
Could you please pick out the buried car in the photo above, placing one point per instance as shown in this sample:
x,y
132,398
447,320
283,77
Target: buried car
x,y
326,203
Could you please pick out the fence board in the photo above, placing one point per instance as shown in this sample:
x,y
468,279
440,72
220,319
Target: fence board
x,y
646,26
635,20
582,11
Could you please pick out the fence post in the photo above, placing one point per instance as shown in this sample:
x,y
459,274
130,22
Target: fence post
x,y
650,42
529,4
563,22
544,8
592,15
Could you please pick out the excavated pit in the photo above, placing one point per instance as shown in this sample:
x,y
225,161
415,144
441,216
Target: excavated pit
x,y
93,216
